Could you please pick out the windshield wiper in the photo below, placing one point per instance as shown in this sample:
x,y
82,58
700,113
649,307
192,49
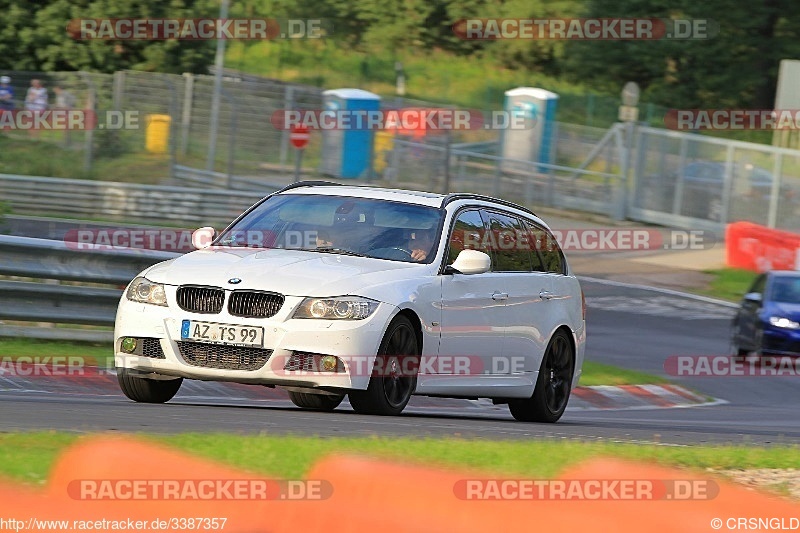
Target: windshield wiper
x,y
332,250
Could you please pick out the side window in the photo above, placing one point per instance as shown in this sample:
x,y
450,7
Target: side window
x,y
535,244
510,243
469,233
547,246
759,284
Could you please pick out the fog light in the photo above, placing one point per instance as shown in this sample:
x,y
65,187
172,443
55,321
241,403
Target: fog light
x,y
328,363
128,344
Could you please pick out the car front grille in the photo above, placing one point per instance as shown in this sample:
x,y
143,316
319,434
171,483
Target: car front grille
x,y
254,304
223,356
200,299
152,348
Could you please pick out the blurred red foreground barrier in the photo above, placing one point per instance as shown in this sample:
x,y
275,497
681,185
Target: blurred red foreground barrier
x,y
758,248
370,494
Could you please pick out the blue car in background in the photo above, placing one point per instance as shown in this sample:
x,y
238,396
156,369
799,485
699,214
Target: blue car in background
x,y
768,319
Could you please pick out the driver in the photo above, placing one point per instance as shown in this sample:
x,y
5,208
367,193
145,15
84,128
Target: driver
x,y
420,244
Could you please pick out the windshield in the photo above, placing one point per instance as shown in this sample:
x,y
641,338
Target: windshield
x,y
342,225
786,290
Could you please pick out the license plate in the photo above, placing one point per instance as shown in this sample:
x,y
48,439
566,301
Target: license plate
x,y
192,330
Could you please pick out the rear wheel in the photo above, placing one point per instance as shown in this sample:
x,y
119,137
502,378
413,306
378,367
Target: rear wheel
x,y
317,402
146,390
553,385
395,376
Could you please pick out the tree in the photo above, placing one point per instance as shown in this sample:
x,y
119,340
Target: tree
x,y
736,68
35,37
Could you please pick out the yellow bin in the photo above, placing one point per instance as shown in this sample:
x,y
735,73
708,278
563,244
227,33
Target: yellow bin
x,y
156,135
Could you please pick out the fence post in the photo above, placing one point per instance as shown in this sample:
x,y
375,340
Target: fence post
x,y
186,117
727,186
231,137
91,108
288,103
775,191
620,197
119,90
173,113
447,143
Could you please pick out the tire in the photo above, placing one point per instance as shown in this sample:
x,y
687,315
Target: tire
x,y
553,386
316,402
389,391
145,390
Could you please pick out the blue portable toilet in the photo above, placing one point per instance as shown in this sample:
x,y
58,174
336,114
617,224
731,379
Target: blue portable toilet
x,y
537,141
347,152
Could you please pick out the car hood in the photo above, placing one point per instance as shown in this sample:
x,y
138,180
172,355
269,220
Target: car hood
x,y
783,309
289,272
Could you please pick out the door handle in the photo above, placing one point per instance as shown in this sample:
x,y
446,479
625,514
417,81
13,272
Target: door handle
x,y
500,296
546,295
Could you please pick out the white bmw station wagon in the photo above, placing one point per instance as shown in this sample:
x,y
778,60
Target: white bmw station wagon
x,y
328,290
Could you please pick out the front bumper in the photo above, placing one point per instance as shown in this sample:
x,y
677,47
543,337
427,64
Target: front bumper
x,y
354,342
780,341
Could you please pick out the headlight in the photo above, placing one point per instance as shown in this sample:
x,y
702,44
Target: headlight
x,y
341,308
145,291
781,322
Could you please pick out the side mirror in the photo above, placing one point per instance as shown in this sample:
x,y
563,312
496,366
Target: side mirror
x,y
753,297
472,262
203,237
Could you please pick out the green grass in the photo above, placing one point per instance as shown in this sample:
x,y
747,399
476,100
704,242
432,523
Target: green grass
x,y
48,157
729,283
28,456
102,354
601,374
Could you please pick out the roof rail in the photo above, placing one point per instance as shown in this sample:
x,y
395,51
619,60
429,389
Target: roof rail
x,y
452,197
307,183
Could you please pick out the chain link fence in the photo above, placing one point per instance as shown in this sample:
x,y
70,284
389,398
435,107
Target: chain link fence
x,y
691,177
163,121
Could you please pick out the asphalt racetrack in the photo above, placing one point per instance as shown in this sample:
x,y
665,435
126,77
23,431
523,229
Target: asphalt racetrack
x,y
628,326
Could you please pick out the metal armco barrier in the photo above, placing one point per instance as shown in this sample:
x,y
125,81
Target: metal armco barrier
x,y
41,297
124,201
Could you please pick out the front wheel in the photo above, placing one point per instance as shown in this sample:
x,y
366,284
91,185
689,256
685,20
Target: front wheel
x,y
146,390
316,402
394,376
553,385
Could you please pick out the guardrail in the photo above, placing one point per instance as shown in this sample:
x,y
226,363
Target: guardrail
x,y
217,180
124,201
41,297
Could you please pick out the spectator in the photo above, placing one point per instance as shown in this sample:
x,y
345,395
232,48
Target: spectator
x,y
64,99
6,94
36,100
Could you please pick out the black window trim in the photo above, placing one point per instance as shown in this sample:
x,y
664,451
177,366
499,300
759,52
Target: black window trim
x,y
499,209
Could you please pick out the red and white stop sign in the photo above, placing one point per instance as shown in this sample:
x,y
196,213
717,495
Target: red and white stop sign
x,y
299,136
